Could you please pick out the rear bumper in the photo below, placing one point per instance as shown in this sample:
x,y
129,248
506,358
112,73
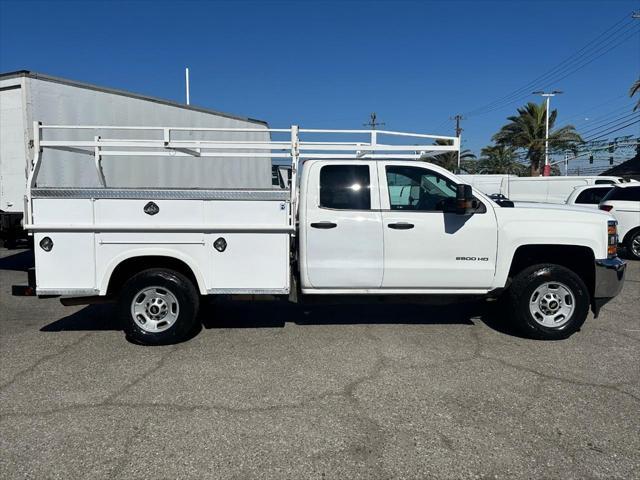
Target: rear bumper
x,y
609,280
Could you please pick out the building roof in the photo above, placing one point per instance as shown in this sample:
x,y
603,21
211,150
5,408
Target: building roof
x,y
48,78
630,168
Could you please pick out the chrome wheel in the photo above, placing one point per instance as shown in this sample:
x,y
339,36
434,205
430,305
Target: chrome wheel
x,y
635,245
552,304
155,309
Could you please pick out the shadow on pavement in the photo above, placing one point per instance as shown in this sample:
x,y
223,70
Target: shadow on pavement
x,y
18,262
91,317
275,314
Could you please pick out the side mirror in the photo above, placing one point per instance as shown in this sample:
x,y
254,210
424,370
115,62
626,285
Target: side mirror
x,y
463,203
464,199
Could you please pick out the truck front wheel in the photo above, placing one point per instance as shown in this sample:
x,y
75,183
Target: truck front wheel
x,y
158,307
549,302
632,244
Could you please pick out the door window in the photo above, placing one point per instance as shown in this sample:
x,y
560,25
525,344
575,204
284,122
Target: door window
x,y
345,187
418,189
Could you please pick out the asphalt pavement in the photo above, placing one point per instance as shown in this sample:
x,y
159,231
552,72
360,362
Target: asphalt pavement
x,y
268,390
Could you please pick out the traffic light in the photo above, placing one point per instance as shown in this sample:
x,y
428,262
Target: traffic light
x,y
590,158
610,160
611,147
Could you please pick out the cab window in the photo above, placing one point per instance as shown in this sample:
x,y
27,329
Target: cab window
x,y
418,189
345,187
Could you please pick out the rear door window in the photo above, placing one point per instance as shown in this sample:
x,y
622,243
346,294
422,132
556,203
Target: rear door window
x,y
592,196
345,187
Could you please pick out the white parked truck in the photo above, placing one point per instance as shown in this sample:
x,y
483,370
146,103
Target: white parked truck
x,y
623,202
363,217
28,96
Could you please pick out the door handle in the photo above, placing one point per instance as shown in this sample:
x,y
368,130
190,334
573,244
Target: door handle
x,y
324,225
401,226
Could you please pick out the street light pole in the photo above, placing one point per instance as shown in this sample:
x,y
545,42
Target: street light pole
x,y
547,167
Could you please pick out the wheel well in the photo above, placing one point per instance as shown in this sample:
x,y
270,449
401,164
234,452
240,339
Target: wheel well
x,y
129,267
578,259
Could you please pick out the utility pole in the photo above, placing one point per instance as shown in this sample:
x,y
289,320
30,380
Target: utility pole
x,y
547,167
373,123
458,118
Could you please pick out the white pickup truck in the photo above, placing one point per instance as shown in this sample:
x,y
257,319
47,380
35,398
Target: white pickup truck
x,y
364,218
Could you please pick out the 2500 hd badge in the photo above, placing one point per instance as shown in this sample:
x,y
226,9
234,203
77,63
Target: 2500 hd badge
x,y
473,259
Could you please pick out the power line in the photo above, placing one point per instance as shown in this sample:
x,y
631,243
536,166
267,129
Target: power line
x,y
590,109
606,116
442,125
559,68
566,69
624,118
567,64
602,128
612,131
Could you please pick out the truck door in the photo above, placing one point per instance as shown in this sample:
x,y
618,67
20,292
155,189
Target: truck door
x,y
425,248
342,242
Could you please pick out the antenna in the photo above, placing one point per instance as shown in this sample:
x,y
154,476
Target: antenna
x,y
186,79
373,123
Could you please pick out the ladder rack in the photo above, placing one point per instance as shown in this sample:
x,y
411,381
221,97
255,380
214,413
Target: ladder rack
x,y
294,146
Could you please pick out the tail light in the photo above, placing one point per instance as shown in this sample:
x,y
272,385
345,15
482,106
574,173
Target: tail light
x,y
612,238
606,208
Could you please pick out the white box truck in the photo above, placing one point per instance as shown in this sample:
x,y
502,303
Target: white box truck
x,y
26,97
364,219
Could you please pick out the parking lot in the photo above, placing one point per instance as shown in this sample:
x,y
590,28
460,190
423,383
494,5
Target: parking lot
x,y
269,390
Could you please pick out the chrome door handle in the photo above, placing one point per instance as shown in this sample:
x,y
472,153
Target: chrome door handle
x,y
401,226
324,225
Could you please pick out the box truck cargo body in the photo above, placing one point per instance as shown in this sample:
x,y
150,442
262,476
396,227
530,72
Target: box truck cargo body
x,y
27,97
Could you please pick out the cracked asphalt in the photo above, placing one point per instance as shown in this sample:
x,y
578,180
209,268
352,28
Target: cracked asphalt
x,y
272,391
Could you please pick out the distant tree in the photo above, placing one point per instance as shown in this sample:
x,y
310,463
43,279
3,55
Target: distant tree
x,y
449,160
635,88
500,159
527,131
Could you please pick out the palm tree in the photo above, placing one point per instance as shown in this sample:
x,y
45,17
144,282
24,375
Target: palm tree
x,y
500,159
527,131
449,160
635,88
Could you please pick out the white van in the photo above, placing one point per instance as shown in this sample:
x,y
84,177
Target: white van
x,y
535,189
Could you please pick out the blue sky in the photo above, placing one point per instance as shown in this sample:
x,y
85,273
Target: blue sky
x,y
329,64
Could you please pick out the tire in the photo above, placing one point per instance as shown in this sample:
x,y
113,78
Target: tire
x,y
632,244
158,307
548,302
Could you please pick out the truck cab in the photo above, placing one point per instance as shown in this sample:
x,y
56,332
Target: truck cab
x,y
387,226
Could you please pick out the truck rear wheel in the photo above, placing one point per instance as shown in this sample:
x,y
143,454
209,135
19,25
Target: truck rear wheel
x,y
158,307
549,302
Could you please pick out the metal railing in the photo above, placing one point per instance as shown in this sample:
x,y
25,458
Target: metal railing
x,y
364,144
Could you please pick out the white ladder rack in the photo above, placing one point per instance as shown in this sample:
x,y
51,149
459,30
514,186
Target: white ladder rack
x,y
416,146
